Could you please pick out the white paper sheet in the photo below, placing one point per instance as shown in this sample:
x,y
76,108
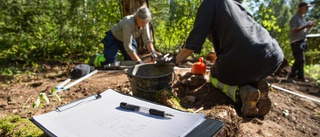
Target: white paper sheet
x,y
104,118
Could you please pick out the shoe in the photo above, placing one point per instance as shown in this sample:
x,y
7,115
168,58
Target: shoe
x,y
249,96
264,105
96,60
92,59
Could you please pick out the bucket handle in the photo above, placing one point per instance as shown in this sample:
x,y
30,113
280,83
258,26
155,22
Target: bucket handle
x,y
174,78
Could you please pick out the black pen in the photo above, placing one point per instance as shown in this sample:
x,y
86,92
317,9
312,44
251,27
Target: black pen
x,y
149,110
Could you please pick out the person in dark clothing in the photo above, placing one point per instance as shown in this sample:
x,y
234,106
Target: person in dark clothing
x,y
246,53
299,28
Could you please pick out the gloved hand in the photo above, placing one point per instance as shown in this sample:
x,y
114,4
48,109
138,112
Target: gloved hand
x,y
165,60
154,55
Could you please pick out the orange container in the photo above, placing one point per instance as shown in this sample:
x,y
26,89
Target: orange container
x,y
199,67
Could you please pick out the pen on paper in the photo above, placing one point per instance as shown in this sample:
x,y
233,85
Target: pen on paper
x,y
149,110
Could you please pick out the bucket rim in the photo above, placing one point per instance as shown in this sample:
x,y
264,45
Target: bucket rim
x,y
167,74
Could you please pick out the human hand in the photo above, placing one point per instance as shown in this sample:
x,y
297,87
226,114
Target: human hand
x,y
154,55
313,23
165,60
310,24
139,61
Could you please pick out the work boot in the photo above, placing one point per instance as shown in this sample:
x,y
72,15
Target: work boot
x,y
249,96
264,104
96,60
92,59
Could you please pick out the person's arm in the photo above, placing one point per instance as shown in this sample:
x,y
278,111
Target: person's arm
x,y
152,51
127,43
183,54
308,26
146,37
202,27
150,47
296,30
134,56
311,23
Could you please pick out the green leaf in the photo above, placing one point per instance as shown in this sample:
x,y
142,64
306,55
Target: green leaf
x,y
43,97
37,103
57,96
53,91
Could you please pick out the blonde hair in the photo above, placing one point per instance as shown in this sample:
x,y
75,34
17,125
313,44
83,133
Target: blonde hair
x,y
143,13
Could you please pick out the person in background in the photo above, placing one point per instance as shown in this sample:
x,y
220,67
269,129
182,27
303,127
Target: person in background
x,y
299,28
246,53
122,37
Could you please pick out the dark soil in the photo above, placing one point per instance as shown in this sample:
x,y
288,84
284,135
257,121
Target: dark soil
x,y
290,115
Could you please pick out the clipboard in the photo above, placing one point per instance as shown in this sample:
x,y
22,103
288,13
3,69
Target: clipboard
x,y
92,116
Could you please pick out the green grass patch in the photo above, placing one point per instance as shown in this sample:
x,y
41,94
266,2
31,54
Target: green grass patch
x,y
15,126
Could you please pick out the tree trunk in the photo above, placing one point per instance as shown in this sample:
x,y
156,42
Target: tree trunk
x,y
131,6
128,8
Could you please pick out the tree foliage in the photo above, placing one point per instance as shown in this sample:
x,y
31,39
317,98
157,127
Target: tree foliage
x,y
71,29
54,29
275,15
315,15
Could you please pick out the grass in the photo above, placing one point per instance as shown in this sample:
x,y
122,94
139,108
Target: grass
x,y
15,126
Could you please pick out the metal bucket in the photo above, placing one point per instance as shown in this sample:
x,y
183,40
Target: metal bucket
x,y
147,80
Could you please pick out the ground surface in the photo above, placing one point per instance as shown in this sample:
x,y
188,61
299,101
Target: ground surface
x,y
290,115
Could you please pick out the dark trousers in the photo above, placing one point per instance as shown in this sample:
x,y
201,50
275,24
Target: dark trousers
x,y
111,47
298,49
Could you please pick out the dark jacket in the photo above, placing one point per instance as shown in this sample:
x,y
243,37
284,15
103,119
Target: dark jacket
x,y
246,51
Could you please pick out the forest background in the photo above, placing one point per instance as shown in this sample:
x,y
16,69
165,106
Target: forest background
x,y
71,30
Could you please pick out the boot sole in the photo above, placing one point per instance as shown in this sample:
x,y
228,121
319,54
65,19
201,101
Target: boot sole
x,y
264,105
249,105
